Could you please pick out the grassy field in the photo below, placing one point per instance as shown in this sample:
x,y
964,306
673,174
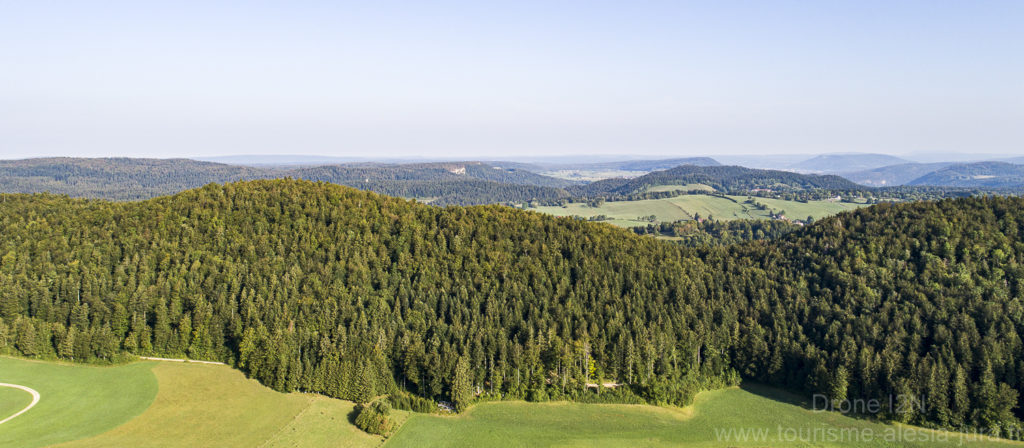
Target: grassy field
x,y
154,404
210,405
627,213
749,417
12,400
76,401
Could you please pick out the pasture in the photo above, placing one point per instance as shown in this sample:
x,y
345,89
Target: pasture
x,y
168,404
684,207
749,417
12,401
76,401
215,405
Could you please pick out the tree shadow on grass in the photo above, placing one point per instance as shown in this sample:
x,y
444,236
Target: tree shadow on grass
x,y
353,414
779,395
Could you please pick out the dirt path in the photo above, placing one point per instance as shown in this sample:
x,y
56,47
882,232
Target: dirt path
x,y
35,399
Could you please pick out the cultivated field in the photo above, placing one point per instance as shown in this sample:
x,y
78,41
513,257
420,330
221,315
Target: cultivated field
x,y
629,213
750,417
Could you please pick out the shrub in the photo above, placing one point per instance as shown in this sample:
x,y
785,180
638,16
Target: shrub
x,y
373,418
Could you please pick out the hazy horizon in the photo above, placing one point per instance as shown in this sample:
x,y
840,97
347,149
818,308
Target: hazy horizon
x,y
463,80
769,161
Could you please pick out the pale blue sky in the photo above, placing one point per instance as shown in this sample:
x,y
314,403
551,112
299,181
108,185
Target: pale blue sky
x,y
489,79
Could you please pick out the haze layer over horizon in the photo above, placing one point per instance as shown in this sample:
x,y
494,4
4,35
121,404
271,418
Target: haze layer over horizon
x,y
483,80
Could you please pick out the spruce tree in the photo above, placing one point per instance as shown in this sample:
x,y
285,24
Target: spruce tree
x,y
461,388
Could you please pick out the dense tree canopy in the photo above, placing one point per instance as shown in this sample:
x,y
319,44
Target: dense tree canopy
x,y
323,288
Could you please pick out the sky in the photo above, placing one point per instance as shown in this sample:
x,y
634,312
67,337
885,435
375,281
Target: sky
x,y
488,79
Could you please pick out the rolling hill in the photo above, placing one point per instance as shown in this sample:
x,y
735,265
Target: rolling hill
x,y
116,178
894,175
326,289
838,163
445,183
976,175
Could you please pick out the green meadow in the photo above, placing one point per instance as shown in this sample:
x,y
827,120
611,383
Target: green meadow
x,y
12,400
753,416
215,405
76,401
684,207
169,404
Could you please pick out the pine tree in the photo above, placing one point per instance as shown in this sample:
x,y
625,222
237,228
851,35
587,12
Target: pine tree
x,y
837,389
25,340
365,387
66,349
960,399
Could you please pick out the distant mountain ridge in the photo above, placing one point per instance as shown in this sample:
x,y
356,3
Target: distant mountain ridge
x,y
637,165
444,183
978,175
999,175
894,175
115,178
839,163
471,182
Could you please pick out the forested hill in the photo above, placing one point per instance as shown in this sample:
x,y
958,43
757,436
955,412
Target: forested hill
x,y
976,175
116,178
378,172
328,289
461,183
912,301
443,183
1007,177
721,178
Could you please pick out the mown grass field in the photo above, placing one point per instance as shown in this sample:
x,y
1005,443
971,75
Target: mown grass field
x,y
12,400
754,415
210,405
627,213
76,401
